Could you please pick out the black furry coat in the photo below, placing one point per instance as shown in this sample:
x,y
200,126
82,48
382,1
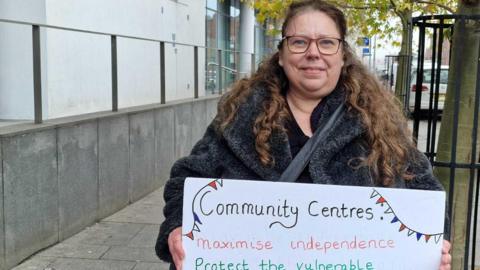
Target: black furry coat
x,y
233,155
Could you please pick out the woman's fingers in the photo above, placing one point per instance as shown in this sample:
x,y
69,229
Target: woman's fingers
x,y
446,260
446,247
176,248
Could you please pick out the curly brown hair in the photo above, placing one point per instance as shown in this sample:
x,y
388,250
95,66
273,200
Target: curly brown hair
x,y
386,127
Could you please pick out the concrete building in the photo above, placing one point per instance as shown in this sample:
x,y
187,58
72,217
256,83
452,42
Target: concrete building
x,y
76,66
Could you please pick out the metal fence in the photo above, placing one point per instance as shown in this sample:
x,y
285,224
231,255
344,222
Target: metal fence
x,y
392,70
427,100
391,63
214,80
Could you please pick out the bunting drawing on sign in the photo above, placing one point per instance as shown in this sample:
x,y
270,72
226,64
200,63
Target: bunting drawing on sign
x,y
379,199
211,186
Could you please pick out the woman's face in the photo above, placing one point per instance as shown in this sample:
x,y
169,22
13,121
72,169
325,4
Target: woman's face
x,y
311,74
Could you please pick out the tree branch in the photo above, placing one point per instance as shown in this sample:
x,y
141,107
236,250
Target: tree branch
x,y
396,11
447,8
347,6
393,4
355,7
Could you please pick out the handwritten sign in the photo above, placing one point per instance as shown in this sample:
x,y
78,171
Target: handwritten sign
x,y
258,225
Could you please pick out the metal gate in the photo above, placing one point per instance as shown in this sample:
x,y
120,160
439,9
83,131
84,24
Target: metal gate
x,y
425,101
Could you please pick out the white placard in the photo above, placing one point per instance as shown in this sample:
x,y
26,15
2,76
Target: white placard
x,y
259,225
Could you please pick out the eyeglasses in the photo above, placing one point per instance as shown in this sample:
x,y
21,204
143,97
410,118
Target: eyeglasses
x,y
325,45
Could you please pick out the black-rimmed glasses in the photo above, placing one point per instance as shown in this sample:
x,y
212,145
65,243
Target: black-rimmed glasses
x,y
325,45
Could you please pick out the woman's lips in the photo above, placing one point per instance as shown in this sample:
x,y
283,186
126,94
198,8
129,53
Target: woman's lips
x,y
312,70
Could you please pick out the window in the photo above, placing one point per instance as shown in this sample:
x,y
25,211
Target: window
x,y
211,29
212,4
427,75
222,32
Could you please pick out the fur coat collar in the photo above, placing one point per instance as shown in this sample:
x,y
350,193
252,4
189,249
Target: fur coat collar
x,y
242,142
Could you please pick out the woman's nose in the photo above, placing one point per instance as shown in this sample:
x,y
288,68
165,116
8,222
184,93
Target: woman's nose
x,y
312,50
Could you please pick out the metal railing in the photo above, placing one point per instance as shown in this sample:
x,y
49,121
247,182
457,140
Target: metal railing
x,y
438,24
37,62
393,69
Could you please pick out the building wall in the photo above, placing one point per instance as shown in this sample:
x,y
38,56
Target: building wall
x,y
77,66
59,178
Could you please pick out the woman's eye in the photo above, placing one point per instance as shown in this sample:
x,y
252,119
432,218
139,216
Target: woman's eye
x,y
299,42
326,42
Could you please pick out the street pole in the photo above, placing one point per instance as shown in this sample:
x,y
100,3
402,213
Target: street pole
x,y
370,55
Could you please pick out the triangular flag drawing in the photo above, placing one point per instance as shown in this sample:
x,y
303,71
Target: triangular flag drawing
x,y
380,200
427,237
213,184
189,235
395,219
195,217
402,227
195,228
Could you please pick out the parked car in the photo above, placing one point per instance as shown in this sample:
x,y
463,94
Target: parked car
x,y
425,88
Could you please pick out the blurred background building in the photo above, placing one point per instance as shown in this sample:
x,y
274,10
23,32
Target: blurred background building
x,y
76,66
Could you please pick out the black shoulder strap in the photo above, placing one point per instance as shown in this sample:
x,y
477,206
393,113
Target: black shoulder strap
x,y
301,160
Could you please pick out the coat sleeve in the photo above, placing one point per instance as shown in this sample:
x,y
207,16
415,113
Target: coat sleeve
x,y
203,161
424,179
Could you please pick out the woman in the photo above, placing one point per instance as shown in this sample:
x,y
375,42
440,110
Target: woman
x,y
265,120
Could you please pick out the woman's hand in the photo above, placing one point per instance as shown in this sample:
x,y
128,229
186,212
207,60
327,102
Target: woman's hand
x,y
176,248
446,262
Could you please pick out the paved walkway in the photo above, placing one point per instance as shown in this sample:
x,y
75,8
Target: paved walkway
x,y
123,241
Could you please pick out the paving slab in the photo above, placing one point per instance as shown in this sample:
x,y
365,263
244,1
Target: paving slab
x,y
36,263
66,250
141,213
151,266
106,234
84,264
146,238
155,198
131,254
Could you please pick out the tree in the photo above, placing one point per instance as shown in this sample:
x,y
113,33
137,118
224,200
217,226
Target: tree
x,y
369,18
463,70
